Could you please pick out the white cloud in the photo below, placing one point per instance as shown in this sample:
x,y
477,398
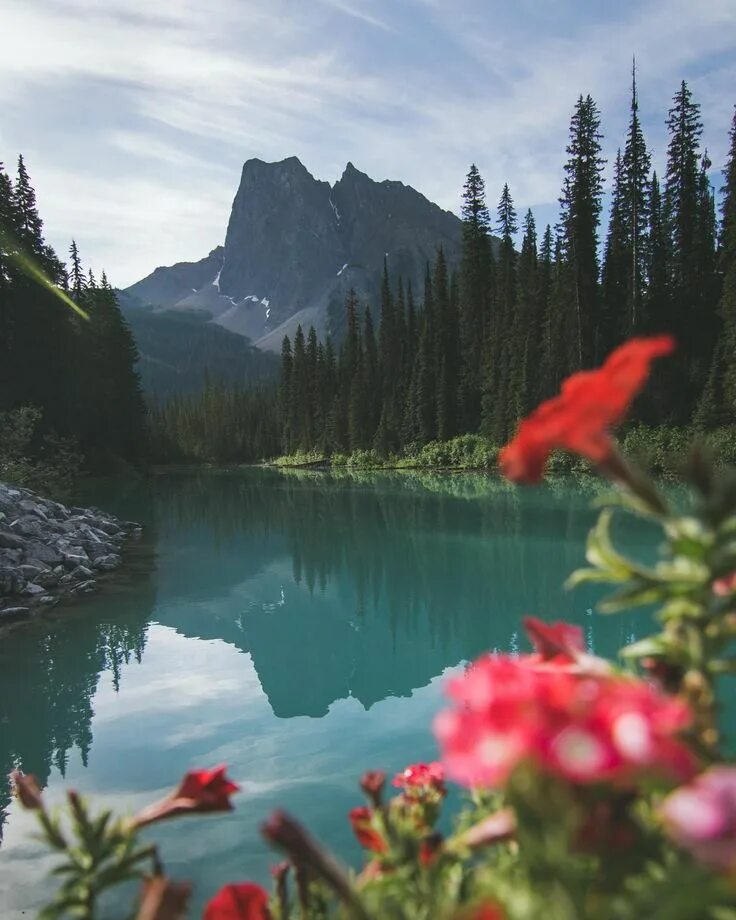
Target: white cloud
x,y
184,92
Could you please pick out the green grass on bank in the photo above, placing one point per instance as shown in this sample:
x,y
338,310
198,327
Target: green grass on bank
x,y
661,450
465,452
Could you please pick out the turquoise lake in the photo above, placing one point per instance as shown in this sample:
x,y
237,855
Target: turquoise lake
x,y
296,626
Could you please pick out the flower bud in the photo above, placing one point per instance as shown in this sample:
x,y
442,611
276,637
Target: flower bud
x,y
372,783
163,899
27,790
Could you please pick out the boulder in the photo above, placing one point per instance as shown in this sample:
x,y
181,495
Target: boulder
x,y
44,553
11,540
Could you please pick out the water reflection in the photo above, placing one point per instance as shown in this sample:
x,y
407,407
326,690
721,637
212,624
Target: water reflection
x,y
51,669
367,586
356,586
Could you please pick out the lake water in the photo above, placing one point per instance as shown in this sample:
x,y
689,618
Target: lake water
x,y
296,626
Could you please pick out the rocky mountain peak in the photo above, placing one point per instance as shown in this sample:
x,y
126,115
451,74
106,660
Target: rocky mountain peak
x,y
295,245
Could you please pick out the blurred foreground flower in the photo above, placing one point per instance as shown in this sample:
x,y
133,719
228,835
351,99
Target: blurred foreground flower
x,y
583,727
701,817
580,419
200,791
238,902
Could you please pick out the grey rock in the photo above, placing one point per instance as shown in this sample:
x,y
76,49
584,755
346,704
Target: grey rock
x,y
11,582
11,541
48,600
81,573
108,527
108,563
30,571
10,613
86,587
33,590
48,554
49,579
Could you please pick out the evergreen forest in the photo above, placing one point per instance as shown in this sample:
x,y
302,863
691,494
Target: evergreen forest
x,y
478,347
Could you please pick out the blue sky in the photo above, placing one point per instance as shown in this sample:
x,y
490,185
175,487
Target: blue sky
x,y
135,117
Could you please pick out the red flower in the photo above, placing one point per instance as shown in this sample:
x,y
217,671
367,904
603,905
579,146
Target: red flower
x,y
199,791
238,902
554,641
421,777
584,727
580,418
362,821
486,910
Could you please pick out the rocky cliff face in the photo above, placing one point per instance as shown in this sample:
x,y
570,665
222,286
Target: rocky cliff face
x,y
295,246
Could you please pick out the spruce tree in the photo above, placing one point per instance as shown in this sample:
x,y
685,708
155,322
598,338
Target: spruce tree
x,y
727,266
503,347
691,306
636,166
527,347
615,318
285,391
476,291
581,209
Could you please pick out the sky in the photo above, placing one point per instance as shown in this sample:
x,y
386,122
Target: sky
x,y
135,117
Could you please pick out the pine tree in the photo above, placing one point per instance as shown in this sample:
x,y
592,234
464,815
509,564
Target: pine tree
x,y
526,334
476,292
615,318
77,279
285,401
30,226
636,166
581,209
727,266
691,306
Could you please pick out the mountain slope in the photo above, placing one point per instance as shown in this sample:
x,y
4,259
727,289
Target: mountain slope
x,y
179,348
295,246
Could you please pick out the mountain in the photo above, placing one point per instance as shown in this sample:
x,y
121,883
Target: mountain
x,y
294,247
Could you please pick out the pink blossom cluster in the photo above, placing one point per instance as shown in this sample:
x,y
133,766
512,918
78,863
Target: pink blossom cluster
x,y
584,725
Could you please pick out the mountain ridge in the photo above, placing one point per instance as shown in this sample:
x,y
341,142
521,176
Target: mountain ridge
x,y
295,245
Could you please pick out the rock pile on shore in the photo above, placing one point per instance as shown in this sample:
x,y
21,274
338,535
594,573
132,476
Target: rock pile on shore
x,y
49,551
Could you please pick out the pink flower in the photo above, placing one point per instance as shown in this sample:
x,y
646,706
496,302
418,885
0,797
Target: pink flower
x,y
701,817
421,777
584,727
238,902
725,586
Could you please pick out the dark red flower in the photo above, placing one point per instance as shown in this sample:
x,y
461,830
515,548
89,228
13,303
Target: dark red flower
x,y
485,910
589,405
361,820
372,783
207,790
200,791
238,902
429,849
554,640
163,899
